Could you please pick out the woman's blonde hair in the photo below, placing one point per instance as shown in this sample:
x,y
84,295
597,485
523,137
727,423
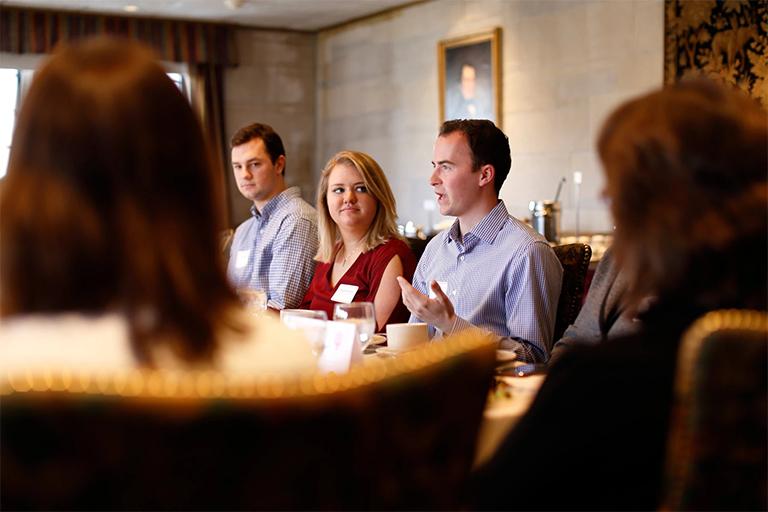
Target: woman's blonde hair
x,y
382,228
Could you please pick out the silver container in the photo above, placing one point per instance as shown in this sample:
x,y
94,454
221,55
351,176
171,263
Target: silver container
x,y
545,218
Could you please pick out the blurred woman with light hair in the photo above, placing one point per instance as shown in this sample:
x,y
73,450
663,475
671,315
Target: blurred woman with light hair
x,y
359,242
686,176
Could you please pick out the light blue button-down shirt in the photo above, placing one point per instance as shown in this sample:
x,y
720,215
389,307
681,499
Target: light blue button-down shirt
x,y
274,250
501,276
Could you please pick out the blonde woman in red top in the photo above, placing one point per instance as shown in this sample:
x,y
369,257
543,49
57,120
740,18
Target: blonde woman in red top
x,y
359,242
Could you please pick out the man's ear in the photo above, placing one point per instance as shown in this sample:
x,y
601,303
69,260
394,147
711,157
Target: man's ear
x,y
487,175
280,165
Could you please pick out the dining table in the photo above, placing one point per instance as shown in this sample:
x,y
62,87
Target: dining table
x,y
508,399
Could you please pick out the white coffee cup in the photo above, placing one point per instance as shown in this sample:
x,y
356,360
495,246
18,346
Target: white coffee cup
x,y
406,336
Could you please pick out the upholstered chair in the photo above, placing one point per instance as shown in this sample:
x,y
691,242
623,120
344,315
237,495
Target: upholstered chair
x,y
575,261
718,456
392,433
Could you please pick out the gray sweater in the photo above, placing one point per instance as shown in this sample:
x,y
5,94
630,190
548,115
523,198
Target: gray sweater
x,y
602,316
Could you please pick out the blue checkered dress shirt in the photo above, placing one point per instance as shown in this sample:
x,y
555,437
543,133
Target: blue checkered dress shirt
x,y
502,276
274,250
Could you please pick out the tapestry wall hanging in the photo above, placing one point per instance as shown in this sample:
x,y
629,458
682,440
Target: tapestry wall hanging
x,y
723,39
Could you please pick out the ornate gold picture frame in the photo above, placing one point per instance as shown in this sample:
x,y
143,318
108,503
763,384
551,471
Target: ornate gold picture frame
x,y
469,76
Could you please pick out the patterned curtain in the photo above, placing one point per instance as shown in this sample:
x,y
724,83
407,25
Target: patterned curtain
x,y
722,39
207,48
208,102
35,31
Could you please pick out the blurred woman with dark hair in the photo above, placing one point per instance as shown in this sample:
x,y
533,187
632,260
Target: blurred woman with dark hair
x,y
108,222
686,176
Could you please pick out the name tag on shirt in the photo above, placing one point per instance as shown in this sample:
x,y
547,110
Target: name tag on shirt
x,y
241,258
345,293
443,286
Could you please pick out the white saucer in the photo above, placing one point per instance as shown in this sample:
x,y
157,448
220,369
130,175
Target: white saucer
x,y
389,351
377,339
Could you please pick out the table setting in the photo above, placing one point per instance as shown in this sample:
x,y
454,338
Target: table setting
x,y
349,340
514,388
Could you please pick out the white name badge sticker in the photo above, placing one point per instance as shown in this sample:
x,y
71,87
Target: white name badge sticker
x,y
341,347
241,258
443,286
345,293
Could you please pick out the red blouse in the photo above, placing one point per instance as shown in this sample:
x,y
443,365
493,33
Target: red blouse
x,y
365,273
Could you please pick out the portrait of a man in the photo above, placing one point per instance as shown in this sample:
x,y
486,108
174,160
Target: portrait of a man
x,y
469,78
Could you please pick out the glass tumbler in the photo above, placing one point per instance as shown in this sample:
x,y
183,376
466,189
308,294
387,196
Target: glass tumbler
x,y
310,322
254,300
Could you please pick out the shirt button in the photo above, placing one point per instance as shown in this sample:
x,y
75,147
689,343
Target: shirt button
x,y
454,293
461,258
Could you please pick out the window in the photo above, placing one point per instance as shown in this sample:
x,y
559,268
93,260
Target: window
x,y
178,79
9,93
14,84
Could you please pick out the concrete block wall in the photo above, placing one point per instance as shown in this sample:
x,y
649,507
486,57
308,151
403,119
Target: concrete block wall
x,y
565,65
372,85
275,84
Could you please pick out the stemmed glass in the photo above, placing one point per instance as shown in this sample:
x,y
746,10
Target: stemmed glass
x,y
362,315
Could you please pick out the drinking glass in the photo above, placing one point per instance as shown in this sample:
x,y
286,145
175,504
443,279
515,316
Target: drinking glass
x,y
288,316
310,322
254,300
362,315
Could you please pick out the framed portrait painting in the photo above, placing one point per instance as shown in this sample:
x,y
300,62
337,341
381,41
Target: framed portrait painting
x,y
470,77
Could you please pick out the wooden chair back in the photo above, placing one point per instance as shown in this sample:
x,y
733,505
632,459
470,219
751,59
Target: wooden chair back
x,y
574,259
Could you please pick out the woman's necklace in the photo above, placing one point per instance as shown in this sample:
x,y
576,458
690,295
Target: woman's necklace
x,y
348,256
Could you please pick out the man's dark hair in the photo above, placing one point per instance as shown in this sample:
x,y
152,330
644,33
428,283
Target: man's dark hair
x,y
487,143
272,141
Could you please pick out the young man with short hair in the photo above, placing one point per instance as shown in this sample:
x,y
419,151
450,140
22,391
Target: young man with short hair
x,y
273,250
488,270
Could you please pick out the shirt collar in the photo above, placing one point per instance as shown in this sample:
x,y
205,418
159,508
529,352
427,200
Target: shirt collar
x,y
276,202
487,229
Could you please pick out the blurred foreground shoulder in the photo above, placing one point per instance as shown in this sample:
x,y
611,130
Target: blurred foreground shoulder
x,y
266,347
